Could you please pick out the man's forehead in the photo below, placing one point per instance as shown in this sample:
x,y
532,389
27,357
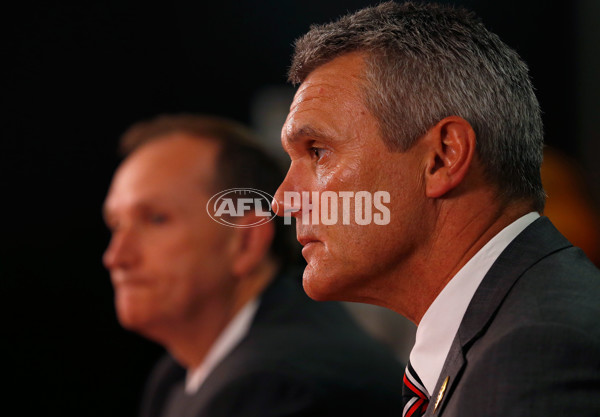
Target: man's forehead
x,y
339,78
162,168
134,186
325,88
320,104
292,132
116,203
314,89
155,195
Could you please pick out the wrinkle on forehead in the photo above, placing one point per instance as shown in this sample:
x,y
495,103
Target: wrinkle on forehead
x,y
327,90
330,94
330,80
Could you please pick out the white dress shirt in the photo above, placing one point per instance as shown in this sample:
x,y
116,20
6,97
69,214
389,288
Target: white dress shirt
x,y
229,338
439,325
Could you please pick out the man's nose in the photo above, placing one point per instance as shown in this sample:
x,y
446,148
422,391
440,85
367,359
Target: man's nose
x,y
287,200
121,251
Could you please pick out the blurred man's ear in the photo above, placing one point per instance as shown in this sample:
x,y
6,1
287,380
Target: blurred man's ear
x,y
451,146
253,245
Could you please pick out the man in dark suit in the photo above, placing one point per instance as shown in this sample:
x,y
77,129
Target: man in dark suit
x,y
202,271
423,105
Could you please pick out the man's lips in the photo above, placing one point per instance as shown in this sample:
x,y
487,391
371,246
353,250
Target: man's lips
x,y
308,249
120,280
305,240
308,243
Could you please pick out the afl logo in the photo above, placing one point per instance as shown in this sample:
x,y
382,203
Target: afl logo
x,y
228,206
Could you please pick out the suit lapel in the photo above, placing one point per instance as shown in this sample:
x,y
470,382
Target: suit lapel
x,y
537,241
453,367
166,375
271,310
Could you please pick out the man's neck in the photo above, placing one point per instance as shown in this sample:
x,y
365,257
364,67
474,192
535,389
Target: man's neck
x,y
190,341
455,239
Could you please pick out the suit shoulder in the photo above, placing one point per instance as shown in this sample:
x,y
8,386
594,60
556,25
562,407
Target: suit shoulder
x,y
278,393
319,335
561,291
534,370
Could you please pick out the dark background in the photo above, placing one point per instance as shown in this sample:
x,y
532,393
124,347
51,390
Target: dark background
x,y
79,74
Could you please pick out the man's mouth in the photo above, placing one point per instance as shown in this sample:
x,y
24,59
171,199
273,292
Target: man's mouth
x,y
305,240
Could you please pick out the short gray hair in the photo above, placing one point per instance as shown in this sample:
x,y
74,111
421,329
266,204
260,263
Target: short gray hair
x,y
425,62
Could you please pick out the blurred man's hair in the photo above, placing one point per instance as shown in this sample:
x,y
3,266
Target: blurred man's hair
x,y
241,162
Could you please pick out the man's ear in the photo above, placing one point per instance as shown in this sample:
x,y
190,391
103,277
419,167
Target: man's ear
x,y
252,246
451,146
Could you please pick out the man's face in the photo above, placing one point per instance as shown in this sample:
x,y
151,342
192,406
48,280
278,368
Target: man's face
x,y
168,260
335,145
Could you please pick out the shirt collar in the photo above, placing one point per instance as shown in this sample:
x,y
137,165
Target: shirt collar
x,y
441,321
229,338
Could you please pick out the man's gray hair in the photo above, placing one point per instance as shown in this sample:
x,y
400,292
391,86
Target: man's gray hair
x,y
425,62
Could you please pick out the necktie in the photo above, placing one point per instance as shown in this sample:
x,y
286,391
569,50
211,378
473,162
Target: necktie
x,y
414,394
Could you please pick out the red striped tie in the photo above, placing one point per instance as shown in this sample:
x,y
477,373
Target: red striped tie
x,y
414,394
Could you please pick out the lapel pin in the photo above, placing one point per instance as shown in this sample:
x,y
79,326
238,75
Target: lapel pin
x,y
440,395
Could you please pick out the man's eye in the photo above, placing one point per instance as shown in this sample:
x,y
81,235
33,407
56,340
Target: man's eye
x,y
317,152
157,218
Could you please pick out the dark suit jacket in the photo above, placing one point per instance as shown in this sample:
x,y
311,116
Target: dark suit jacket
x,y
300,358
529,343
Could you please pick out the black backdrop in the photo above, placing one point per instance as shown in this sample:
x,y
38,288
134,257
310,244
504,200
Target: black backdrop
x,y
78,75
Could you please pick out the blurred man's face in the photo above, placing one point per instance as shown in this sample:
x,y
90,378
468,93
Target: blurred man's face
x,y
168,260
335,145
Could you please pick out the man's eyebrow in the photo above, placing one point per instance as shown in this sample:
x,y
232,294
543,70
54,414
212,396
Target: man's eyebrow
x,y
305,131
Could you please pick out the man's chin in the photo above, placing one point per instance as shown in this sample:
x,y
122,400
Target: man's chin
x,y
132,319
315,294
320,286
145,328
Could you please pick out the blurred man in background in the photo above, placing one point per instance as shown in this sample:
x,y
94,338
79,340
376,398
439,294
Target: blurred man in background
x,y
243,339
